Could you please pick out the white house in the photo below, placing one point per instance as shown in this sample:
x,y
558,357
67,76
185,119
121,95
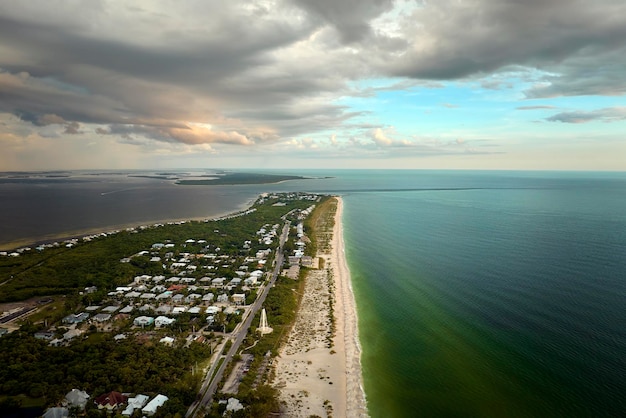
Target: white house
x,y
143,321
162,321
135,403
154,404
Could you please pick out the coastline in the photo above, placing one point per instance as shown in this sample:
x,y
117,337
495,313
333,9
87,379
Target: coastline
x,y
357,403
80,233
313,376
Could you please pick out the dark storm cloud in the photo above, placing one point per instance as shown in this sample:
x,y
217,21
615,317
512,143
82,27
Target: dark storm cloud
x,y
351,18
247,73
452,39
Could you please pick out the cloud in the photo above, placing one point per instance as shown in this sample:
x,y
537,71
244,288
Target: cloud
x,y
452,40
219,75
609,114
536,107
351,18
72,128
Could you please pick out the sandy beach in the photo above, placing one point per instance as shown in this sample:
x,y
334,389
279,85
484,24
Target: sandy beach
x,y
318,371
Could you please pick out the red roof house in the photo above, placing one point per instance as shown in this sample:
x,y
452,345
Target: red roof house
x,y
110,400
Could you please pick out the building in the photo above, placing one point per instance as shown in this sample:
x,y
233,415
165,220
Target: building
x,y
239,298
135,403
77,398
143,321
162,321
76,319
110,401
154,404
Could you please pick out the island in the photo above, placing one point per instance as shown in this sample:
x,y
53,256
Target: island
x,y
238,178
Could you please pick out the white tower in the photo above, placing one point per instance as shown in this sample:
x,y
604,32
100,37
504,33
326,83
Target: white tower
x,y
264,328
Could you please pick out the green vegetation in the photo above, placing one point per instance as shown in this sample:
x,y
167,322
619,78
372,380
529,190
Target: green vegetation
x,y
61,270
97,365
40,374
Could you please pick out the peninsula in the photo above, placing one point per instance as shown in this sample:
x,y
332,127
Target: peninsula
x,y
187,296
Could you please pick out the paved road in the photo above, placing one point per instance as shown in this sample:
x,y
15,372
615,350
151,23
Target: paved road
x,y
240,332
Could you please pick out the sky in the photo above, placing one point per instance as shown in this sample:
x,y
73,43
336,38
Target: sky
x,y
446,84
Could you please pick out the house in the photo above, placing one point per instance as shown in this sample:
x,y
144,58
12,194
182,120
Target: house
x,y
195,310
102,317
192,297
208,298
132,295
71,334
56,413
110,400
164,309
77,398
167,341
127,309
162,321
155,403
233,405
76,319
91,289
212,310
239,298
158,289
179,309
218,281
223,298
135,403
143,321
165,295
44,335
250,281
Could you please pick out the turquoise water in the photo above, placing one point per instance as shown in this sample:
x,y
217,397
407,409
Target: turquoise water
x,y
479,294
506,298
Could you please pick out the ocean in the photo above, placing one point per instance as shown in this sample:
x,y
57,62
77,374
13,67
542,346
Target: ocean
x,y
479,294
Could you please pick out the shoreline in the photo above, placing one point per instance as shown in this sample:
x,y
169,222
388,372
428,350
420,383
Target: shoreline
x,y
357,402
313,376
80,233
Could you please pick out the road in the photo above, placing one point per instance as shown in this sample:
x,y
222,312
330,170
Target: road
x,y
239,333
